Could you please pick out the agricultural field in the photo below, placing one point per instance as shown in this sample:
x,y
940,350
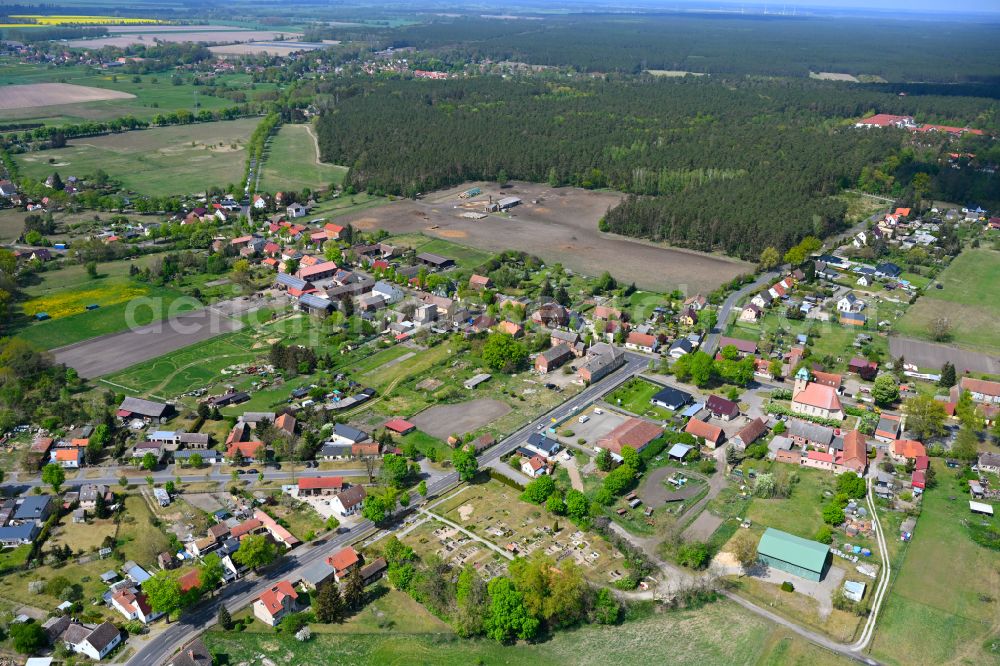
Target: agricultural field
x,y
967,300
150,95
942,607
158,161
49,94
718,634
292,163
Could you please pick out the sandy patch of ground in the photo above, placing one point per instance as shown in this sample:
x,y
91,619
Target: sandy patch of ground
x,y
442,420
558,225
465,512
833,76
48,94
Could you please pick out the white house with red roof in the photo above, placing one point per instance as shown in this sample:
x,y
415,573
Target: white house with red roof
x,y
133,605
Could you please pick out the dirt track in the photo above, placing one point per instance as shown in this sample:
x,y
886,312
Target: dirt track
x,y
48,94
560,227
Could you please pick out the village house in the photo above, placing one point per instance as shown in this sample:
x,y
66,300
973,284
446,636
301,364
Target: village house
x,y
348,502
749,434
94,642
543,446
751,313
534,466
275,603
806,434
863,368
133,605
980,390
480,282
744,348
723,409
602,360
643,342
902,450
320,485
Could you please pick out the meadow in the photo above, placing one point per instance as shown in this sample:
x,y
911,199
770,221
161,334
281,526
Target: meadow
x,y
967,299
159,161
292,163
720,633
464,256
942,607
635,395
64,295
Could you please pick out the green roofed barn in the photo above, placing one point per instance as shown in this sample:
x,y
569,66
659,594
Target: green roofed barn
x,y
787,552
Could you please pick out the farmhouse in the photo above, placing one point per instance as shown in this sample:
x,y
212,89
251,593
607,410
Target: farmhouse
x,y
636,433
744,347
643,342
534,466
434,260
902,450
712,434
794,555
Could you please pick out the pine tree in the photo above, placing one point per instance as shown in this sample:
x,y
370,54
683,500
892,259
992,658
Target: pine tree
x,y
225,619
330,605
354,590
947,375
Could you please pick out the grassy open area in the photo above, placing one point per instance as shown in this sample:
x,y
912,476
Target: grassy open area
x,y
429,446
154,93
159,161
464,256
140,538
291,163
942,607
720,633
65,294
634,396
799,514
967,299
82,537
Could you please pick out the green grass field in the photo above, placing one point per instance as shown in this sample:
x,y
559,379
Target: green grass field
x,y
464,256
161,161
720,633
151,96
65,293
942,606
291,163
799,514
968,299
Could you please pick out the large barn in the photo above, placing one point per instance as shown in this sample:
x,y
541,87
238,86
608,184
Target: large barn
x,y
795,555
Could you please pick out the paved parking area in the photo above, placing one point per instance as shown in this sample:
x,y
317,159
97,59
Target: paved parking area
x,y
597,425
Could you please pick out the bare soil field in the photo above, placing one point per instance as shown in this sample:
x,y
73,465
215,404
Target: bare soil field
x,y
49,94
443,420
150,36
110,353
556,224
268,48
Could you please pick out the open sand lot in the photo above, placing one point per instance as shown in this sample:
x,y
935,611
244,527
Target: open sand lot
x,y
560,227
443,420
150,36
48,94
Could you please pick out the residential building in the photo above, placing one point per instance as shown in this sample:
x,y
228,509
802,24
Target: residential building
x,y
806,434
743,347
275,603
749,434
553,358
193,653
600,363
980,390
643,342
534,466
543,446
721,408
902,450
670,398
133,605
320,485
348,502
343,562
93,642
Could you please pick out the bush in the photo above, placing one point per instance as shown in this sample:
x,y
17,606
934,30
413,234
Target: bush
x,y
787,587
824,535
694,555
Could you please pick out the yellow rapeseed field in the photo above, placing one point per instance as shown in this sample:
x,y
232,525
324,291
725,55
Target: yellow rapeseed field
x,y
74,302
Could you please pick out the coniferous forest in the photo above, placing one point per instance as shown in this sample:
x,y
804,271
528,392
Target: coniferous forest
x,y
732,164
